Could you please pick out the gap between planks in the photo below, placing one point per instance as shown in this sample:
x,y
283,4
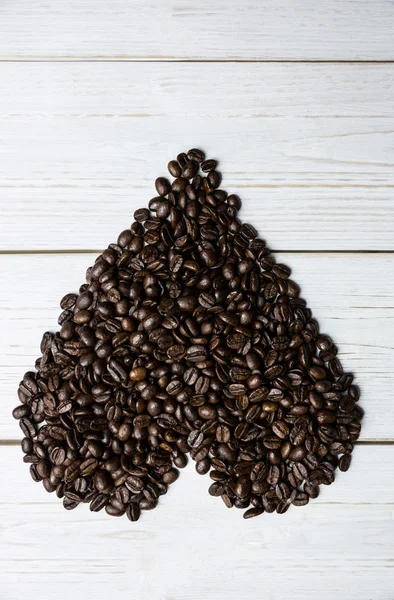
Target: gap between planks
x,y
273,251
366,442
157,59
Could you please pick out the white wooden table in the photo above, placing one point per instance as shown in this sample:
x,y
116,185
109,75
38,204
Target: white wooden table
x,y
296,101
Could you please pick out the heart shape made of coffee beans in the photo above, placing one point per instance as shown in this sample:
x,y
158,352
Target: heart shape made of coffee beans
x,y
187,338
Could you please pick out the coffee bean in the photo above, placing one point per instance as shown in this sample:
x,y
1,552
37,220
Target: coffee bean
x,y
27,445
282,507
214,178
28,428
280,429
344,462
203,466
216,489
163,186
21,411
195,154
195,439
311,490
174,168
208,165
58,456
170,476
99,502
133,511
223,434
138,374
102,481
253,512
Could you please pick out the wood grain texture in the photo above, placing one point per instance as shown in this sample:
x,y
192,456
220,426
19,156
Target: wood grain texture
x,y
308,148
219,30
351,295
193,547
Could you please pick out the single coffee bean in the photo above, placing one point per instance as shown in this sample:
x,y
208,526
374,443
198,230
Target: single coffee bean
x,y
195,154
208,165
163,186
174,168
344,462
253,512
142,214
133,511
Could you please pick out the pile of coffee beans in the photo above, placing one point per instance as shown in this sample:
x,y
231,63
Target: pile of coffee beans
x,y
187,338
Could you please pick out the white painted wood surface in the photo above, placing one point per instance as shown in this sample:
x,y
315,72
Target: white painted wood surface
x,y
207,30
352,296
192,547
92,107
308,147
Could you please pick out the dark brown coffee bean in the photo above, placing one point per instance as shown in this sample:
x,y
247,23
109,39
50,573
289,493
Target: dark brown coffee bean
x,y
282,507
195,439
259,472
208,165
99,502
88,467
68,301
27,445
28,428
102,481
170,476
190,169
253,512
301,499
214,179
174,168
223,434
280,429
197,155
203,466
311,490
163,186
21,411
58,456
344,462
133,511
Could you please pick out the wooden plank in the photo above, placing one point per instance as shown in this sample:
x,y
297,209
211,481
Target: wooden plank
x,y
219,30
254,90
348,532
352,296
308,148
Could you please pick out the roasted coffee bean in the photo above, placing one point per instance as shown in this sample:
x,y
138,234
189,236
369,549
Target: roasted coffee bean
x,y
223,434
208,165
311,490
133,511
203,466
187,337
28,427
27,446
216,489
99,502
253,512
344,462
195,439
58,455
195,154
174,168
163,186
